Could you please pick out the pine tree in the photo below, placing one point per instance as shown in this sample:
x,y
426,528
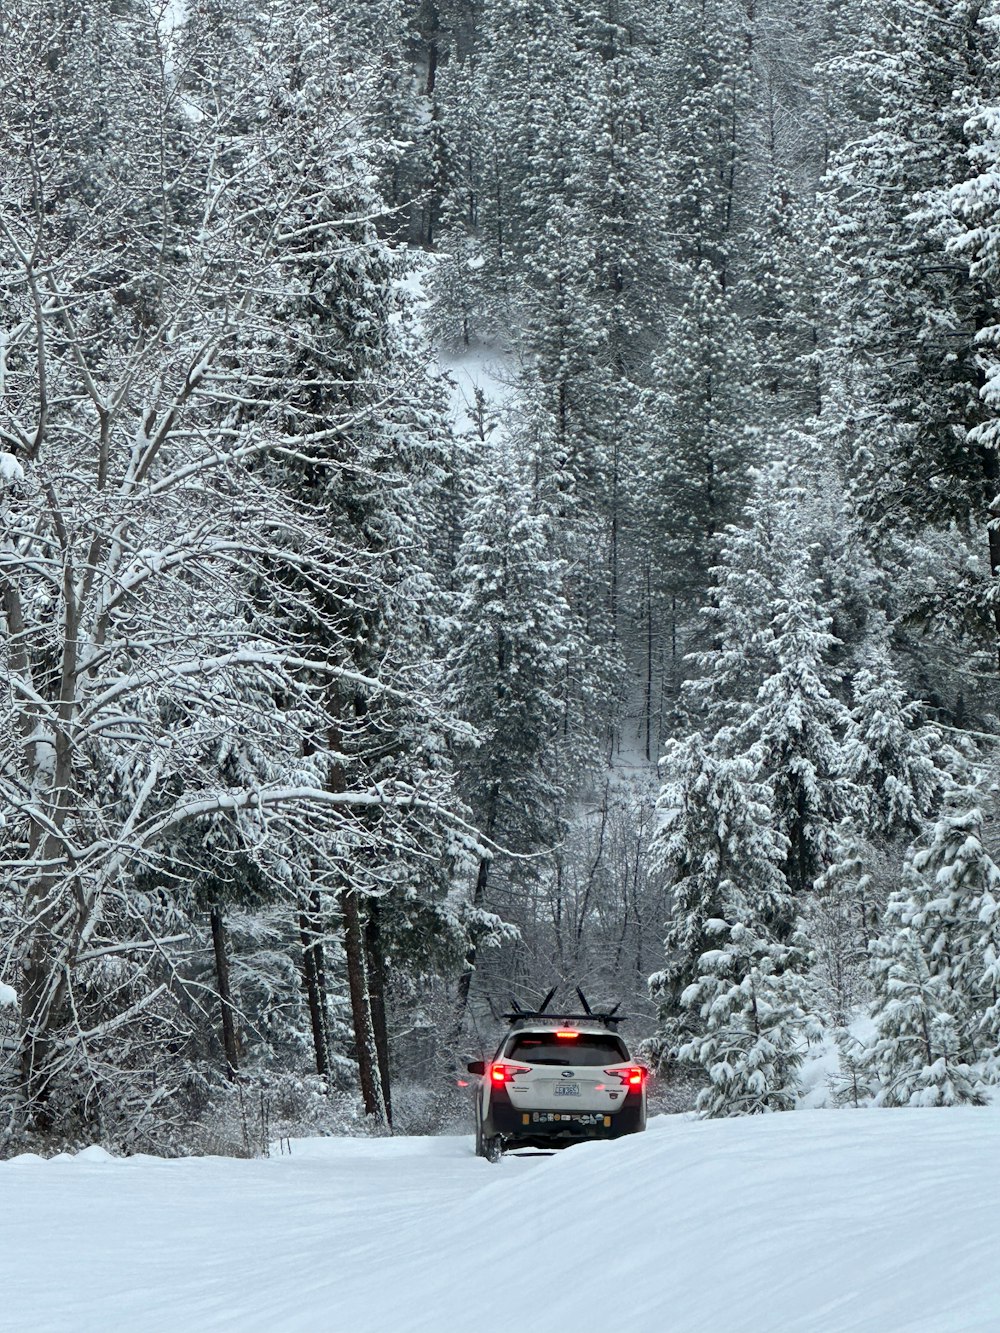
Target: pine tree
x,y
508,658
887,754
989,946
905,355
952,876
933,965
696,446
707,93
975,243
731,669
532,133
506,669
772,728
795,728
753,1007
917,1055
781,285
719,849
853,1084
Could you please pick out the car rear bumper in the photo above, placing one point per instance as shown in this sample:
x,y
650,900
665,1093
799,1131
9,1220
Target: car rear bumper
x,y
516,1125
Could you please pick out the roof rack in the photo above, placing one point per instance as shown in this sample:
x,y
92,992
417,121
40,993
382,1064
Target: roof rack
x,y
609,1017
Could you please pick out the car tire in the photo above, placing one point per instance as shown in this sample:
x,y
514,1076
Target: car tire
x,y
489,1146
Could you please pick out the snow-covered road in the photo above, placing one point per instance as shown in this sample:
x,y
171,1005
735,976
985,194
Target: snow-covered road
x,y
815,1222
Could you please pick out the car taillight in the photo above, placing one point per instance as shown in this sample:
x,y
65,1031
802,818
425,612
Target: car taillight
x,y
634,1077
500,1073
566,1035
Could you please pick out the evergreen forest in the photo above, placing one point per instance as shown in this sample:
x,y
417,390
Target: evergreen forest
x,y
494,494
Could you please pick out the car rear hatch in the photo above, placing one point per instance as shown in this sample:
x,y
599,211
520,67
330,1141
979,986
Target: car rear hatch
x,y
568,1072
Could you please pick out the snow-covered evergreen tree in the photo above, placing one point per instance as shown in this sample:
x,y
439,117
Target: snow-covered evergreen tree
x,y
718,846
781,283
707,96
513,633
951,878
752,804
888,755
933,966
905,357
509,656
755,1023
918,1053
696,444
795,728
752,557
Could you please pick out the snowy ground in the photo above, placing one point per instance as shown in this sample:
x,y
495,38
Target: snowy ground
x,y
820,1220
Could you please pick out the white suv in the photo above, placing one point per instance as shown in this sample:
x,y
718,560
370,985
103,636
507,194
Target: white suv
x,y
557,1080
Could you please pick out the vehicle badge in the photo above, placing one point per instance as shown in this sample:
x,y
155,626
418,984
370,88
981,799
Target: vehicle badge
x,y
568,1073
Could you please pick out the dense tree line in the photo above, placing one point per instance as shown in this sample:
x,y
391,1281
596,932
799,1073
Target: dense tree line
x,y
493,493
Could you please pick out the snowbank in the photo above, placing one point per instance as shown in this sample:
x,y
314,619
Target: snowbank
x,y
879,1221
826,1221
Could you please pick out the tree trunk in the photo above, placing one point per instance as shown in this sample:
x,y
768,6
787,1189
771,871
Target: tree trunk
x,y
465,980
36,1023
313,972
366,1049
991,471
47,965
55,925
478,898
432,65
649,660
229,1041
613,552
376,993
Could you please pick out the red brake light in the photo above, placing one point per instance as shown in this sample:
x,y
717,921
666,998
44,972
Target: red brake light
x,y
566,1035
501,1073
633,1077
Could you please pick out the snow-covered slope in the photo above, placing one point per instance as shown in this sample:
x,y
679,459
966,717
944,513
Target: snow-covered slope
x,y
819,1221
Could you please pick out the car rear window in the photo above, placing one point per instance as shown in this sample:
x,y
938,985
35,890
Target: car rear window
x,y
590,1048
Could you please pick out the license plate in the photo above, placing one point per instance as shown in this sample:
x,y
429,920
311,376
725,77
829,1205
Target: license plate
x,y
567,1090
